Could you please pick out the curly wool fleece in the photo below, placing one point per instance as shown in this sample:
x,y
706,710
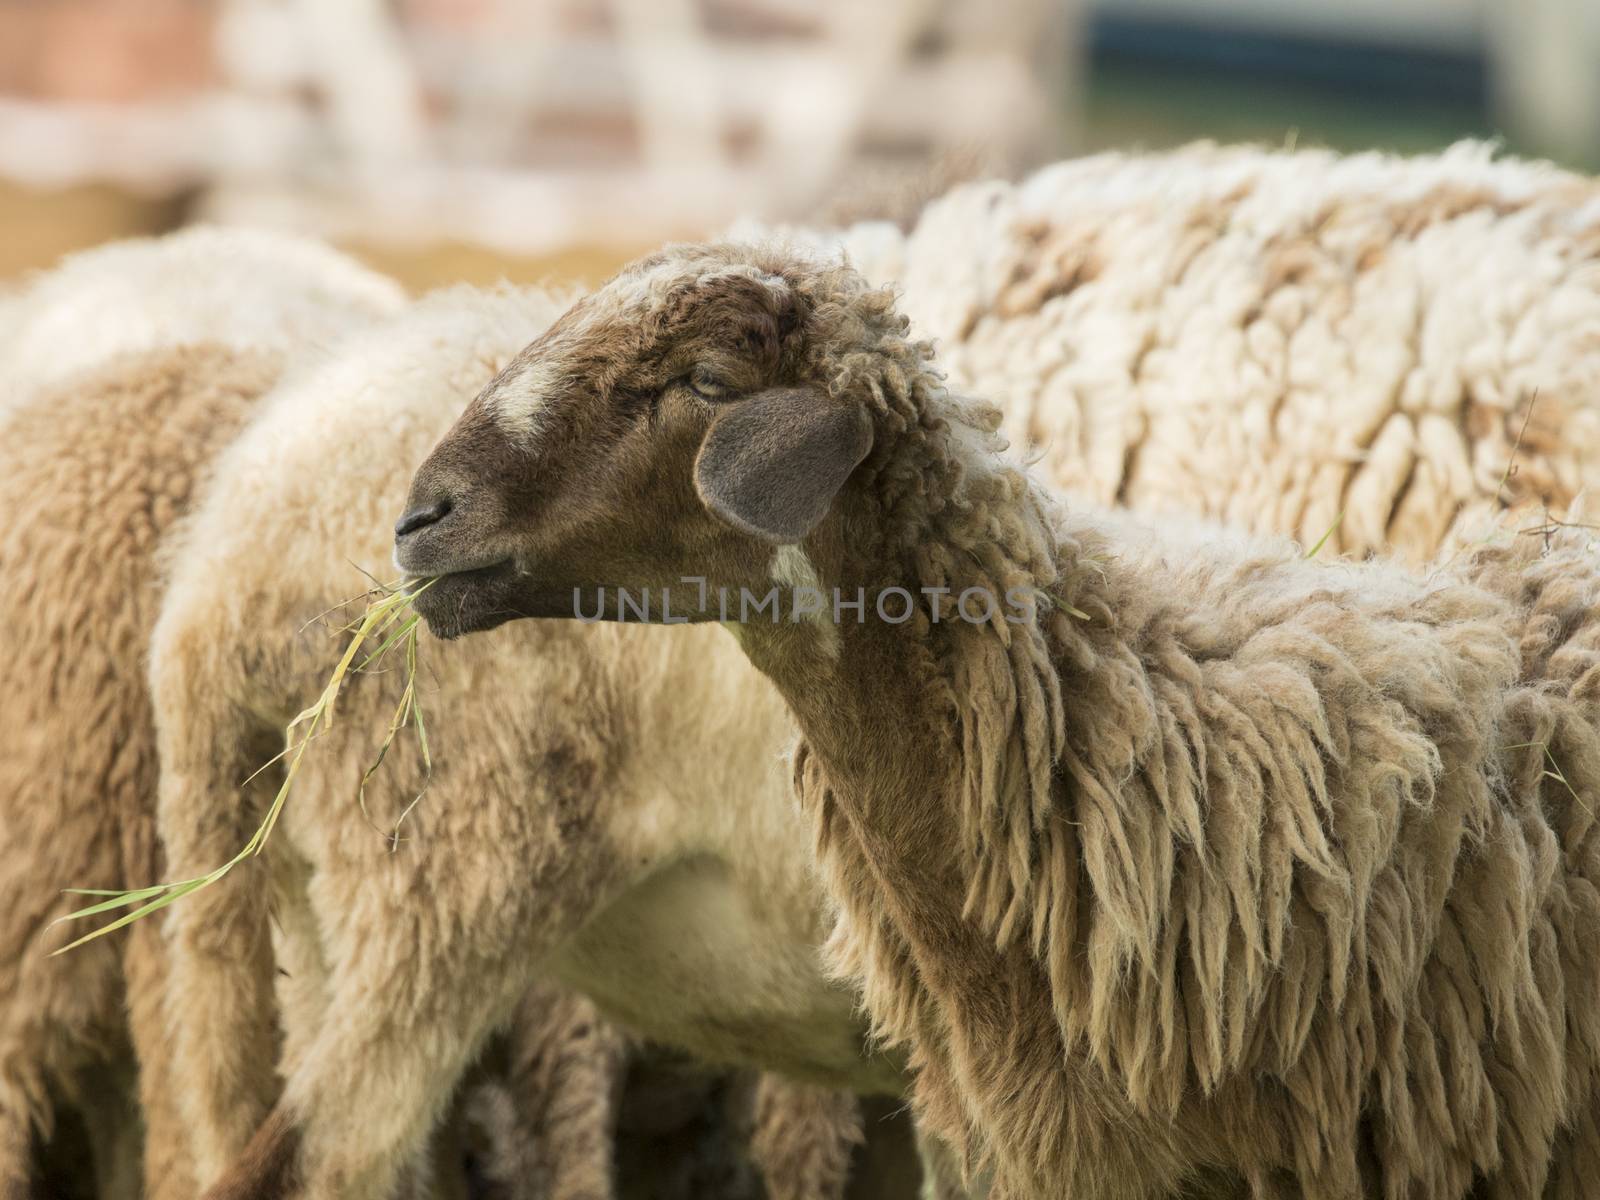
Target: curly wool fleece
x,y
1291,341
1291,888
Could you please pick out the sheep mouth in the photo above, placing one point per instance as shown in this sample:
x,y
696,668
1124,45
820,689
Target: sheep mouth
x,y
470,600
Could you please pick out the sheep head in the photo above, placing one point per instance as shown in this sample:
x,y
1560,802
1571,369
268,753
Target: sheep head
x,y
684,420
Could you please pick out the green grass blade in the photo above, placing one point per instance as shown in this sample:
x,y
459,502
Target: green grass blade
x,y
1328,533
118,900
402,633
392,622
177,892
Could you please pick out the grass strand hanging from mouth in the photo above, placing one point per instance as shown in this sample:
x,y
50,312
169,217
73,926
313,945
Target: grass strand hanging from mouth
x,y
391,621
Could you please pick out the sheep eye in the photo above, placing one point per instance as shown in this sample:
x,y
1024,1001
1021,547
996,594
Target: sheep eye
x,y
706,385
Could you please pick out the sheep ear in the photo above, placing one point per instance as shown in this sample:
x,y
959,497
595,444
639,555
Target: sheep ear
x,y
772,464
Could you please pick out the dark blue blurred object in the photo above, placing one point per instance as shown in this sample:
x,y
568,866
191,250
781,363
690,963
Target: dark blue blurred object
x,y
1342,66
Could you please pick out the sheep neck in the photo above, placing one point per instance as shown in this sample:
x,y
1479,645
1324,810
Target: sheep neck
x,y
928,762
886,792
908,797
881,772
844,683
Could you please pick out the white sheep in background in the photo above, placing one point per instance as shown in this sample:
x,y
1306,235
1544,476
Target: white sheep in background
x,y
203,284
92,472
1276,337
94,469
645,852
1174,860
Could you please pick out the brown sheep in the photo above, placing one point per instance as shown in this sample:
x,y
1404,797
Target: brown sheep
x,y
1174,859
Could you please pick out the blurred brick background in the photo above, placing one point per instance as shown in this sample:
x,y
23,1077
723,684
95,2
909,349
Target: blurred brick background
x,y
448,139
105,51
473,139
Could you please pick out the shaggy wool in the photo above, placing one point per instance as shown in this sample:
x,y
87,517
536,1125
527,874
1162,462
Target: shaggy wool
x,y
1284,868
90,477
1293,341
124,370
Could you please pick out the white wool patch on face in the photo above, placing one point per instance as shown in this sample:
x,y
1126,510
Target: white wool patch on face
x,y
518,399
518,402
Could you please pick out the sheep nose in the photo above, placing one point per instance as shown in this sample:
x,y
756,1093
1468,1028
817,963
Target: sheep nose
x,y
421,517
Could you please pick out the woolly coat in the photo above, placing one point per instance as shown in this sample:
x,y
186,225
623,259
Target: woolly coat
x,y
202,284
1292,341
1311,894
1252,872
116,455
93,470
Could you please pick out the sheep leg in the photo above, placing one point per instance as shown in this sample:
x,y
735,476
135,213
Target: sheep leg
x,y
370,1088
548,1117
167,1174
803,1139
269,1165
16,1153
22,1089
24,1104
941,1172
565,1074
54,1009
219,993
421,973
55,1012
580,1128
304,1003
